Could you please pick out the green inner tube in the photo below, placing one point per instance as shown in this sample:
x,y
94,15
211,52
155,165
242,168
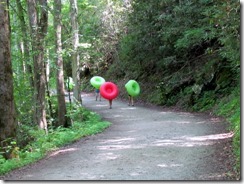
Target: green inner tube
x,y
132,88
97,81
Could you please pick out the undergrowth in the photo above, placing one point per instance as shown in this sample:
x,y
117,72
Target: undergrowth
x,y
56,138
229,108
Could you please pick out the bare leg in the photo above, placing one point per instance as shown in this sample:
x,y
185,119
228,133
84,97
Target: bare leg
x,y
132,101
96,96
110,104
129,100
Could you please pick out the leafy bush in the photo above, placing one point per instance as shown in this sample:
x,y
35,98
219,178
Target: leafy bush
x,y
42,144
206,102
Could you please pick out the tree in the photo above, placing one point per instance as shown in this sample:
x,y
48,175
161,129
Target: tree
x,y
75,53
38,17
62,119
112,17
26,46
7,107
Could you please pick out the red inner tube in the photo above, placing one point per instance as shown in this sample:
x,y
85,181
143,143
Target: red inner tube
x,y
109,90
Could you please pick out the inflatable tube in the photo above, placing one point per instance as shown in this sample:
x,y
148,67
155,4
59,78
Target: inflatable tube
x,y
97,81
109,90
132,87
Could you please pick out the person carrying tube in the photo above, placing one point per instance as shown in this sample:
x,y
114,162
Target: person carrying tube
x,y
97,94
96,82
133,90
109,91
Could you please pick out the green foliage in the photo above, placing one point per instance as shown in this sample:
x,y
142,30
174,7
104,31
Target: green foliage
x,y
189,50
41,144
229,107
190,46
155,97
184,53
206,102
191,38
23,96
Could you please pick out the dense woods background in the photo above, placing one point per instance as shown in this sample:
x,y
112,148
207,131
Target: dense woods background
x,y
184,53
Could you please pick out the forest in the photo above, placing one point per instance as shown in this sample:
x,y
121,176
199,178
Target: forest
x,y
184,53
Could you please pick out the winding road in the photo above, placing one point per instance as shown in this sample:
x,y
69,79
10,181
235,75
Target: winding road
x,y
141,144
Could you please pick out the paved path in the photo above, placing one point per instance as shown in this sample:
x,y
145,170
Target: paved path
x,y
141,144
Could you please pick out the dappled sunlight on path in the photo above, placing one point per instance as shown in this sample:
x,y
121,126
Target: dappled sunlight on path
x,y
141,144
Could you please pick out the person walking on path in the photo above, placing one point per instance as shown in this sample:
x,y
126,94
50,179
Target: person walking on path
x,y
133,89
109,91
98,95
131,101
96,82
110,104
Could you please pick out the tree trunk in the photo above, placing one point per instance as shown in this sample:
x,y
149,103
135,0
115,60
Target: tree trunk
x,y
38,26
7,107
75,54
47,76
62,118
26,47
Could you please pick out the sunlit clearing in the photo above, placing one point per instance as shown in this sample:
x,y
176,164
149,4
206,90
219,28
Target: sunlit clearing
x,y
117,116
200,122
63,151
193,141
118,140
167,113
99,105
115,147
212,137
131,119
183,122
122,146
135,174
170,165
180,143
128,108
108,156
85,94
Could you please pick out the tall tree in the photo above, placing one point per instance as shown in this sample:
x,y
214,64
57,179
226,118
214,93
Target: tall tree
x,y
26,46
38,18
62,120
7,107
75,53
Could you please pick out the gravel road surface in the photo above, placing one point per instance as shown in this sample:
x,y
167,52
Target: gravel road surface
x,y
143,143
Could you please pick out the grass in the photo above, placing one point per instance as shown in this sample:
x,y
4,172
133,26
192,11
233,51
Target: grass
x,y
55,139
230,109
